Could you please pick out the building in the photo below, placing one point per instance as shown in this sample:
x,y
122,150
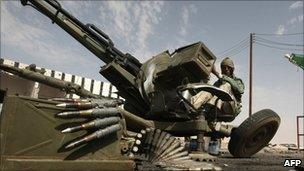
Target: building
x,y
11,84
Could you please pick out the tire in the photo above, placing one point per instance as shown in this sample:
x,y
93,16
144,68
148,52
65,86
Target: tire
x,y
254,133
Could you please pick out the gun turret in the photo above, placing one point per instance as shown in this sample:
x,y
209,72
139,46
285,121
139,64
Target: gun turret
x,y
120,69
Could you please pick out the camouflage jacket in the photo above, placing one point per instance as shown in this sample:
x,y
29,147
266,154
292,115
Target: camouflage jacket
x,y
237,85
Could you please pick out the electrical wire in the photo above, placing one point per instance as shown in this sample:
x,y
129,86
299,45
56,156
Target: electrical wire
x,y
269,34
232,51
244,44
236,52
275,47
235,46
274,42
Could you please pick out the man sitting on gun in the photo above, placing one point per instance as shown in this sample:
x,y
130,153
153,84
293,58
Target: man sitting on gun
x,y
227,82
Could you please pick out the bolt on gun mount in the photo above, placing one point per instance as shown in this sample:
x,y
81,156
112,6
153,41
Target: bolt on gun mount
x,y
120,69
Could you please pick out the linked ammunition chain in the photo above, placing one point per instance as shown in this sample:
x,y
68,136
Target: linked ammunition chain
x,y
154,145
154,149
102,116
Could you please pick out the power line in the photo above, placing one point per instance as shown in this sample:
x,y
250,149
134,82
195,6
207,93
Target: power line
x,y
275,47
239,51
235,46
243,44
271,34
239,47
274,42
236,51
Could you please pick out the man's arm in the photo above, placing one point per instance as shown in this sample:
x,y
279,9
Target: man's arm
x,y
214,71
236,84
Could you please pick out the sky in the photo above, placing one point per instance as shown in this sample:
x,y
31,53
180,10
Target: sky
x,y
147,28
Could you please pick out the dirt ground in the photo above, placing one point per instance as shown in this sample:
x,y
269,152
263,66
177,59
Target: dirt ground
x,y
260,161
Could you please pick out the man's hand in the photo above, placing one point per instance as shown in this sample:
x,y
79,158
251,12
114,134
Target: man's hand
x,y
214,71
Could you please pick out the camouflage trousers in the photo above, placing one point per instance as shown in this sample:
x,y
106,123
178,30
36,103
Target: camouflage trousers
x,y
229,108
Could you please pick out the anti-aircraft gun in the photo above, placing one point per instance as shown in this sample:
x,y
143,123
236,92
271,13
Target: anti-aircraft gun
x,y
149,87
158,90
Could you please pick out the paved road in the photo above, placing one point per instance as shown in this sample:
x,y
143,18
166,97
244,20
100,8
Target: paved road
x,y
260,161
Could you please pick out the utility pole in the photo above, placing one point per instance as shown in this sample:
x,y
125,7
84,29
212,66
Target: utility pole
x,y
250,74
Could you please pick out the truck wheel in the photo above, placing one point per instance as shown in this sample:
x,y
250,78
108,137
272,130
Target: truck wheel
x,y
254,133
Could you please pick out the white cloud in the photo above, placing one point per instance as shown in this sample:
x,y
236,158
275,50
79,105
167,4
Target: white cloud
x,y
77,8
296,5
33,40
132,22
184,23
148,17
300,18
193,9
281,30
292,21
295,20
122,17
13,30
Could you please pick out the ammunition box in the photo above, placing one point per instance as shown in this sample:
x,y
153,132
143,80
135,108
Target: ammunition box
x,y
188,64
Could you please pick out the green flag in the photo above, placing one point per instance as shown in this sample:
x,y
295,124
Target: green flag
x,y
297,59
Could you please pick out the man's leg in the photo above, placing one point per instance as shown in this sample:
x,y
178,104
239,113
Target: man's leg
x,y
200,98
226,107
